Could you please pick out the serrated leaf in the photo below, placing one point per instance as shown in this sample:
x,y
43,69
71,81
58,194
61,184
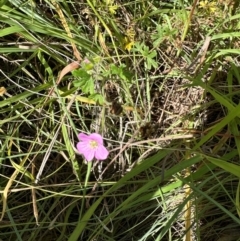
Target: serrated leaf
x,y
88,86
152,54
121,71
81,73
84,81
98,98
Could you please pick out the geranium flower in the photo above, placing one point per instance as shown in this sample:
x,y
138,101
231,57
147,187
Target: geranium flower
x,y
91,146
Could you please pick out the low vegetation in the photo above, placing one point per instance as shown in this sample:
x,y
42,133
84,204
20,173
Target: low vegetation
x,y
158,81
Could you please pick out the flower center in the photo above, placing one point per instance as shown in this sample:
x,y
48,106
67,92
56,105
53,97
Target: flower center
x,y
93,144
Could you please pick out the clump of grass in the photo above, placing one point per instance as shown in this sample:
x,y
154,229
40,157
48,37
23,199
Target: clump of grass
x,y
159,81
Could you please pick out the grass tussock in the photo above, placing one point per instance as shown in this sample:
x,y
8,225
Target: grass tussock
x,y
159,80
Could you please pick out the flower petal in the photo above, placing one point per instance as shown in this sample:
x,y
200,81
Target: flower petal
x,y
89,155
86,150
96,137
101,153
83,137
81,147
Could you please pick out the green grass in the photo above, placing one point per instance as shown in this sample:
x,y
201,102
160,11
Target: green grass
x,y
168,111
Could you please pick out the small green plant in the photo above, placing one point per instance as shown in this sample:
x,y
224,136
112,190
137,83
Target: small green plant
x,y
163,32
172,156
85,81
148,55
119,72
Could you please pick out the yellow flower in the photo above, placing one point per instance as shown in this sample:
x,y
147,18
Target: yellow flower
x,y
112,9
209,6
203,4
128,44
111,6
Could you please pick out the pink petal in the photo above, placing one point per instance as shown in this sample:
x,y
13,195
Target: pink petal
x,y
89,155
85,150
86,61
83,137
96,137
82,147
101,153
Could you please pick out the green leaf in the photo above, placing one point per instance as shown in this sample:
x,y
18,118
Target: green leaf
x,y
237,199
148,55
84,81
121,72
98,98
229,167
81,73
22,170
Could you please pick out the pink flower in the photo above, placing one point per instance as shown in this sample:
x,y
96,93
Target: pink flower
x,y
86,61
91,146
